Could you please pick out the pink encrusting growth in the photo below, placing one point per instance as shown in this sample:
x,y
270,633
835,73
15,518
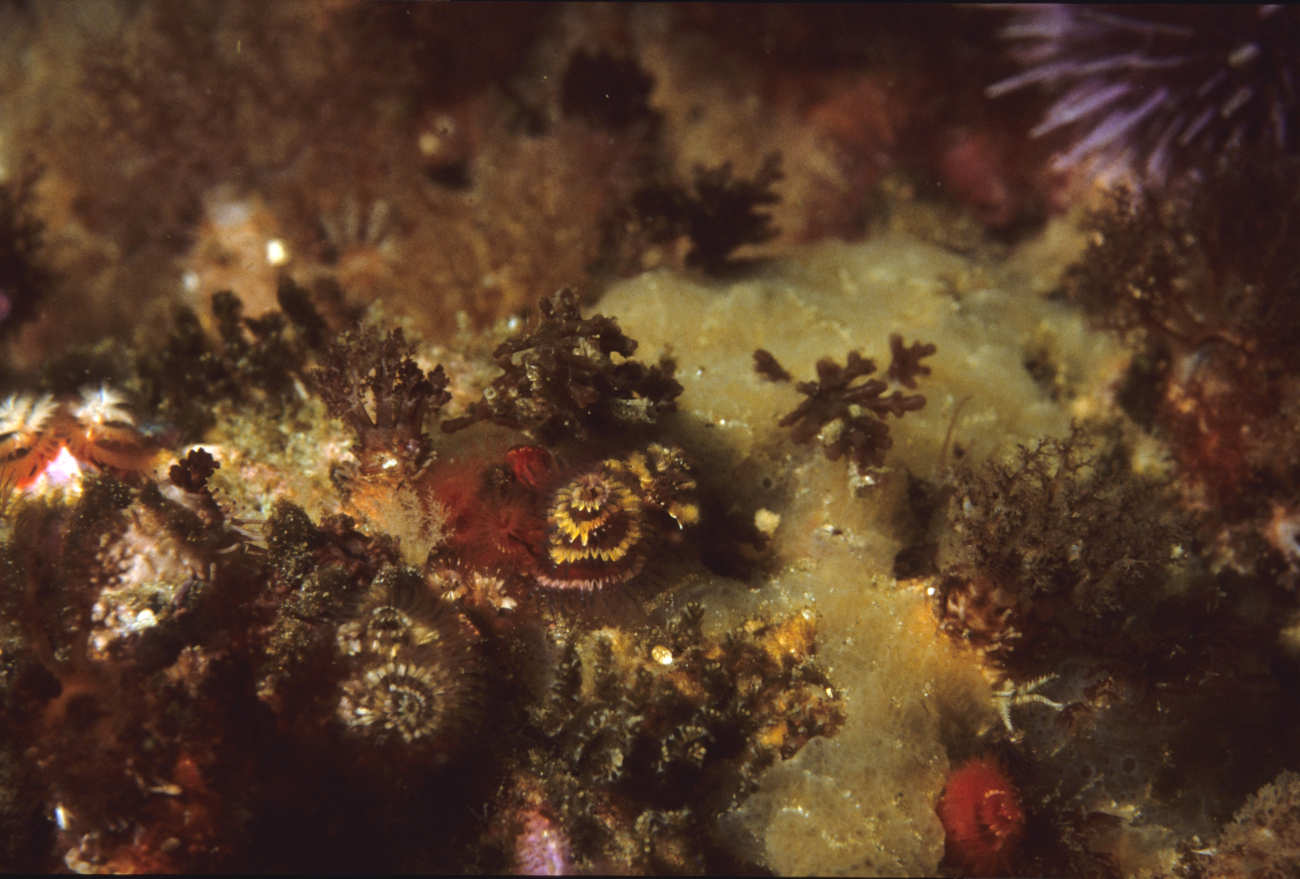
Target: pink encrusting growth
x,y
542,848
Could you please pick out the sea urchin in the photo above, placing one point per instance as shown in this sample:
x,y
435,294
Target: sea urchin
x,y
1153,92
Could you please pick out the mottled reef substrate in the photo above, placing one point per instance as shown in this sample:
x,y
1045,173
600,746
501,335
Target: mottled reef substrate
x,y
646,439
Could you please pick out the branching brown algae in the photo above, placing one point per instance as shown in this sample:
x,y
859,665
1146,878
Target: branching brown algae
x,y
665,439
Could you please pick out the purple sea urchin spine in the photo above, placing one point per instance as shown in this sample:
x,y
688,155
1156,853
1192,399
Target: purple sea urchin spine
x,y
1153,92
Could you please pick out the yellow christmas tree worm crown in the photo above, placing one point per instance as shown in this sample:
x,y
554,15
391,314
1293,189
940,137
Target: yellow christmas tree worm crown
x,y
598,534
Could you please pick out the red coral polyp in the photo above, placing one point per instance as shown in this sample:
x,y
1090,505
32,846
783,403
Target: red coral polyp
x,y
502,534
982,818
497,523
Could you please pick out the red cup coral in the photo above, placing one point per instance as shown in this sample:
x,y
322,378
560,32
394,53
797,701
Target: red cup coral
x,y
982,819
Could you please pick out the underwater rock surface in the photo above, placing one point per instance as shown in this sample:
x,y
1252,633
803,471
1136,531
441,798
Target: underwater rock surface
x,y
662,439
863,801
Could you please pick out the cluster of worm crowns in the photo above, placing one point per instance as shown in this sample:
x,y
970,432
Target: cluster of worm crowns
x,y
602,523
39,434
413,671
526,517
194,671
